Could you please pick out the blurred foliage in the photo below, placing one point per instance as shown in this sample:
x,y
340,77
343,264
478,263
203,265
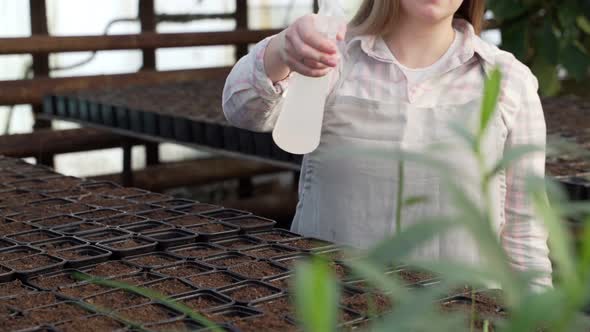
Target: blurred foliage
x,y
547,35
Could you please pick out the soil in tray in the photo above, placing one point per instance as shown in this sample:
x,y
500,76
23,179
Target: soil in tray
x,y
150,198
184,325
80,253
307,244
239,243
250,222
149,313
198,251
170,287
152,260
282,282
15,287
18,252
211,228
32,262
128,243
124,192
53,281
266,323
116,299
139,278
103,202
60,244
15,227
32,300
34,236
250,292
102,235
212,280
365,302
98,214
122,220
112,268
204,301
483,311
189,220
413,277
137,207
279,306
160,214
56,313
57,221
92,324
268,251
73,208
183,270
82,291
79,228
257,270
230,260
199,207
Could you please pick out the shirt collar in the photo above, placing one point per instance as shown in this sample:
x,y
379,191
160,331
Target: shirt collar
x,y
374,46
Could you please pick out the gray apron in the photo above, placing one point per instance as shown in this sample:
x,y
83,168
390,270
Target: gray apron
x,y
351,199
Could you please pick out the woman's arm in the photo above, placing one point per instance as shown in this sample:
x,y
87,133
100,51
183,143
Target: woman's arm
x,y
254,90
523,236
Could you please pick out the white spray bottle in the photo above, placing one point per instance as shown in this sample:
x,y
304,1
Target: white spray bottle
x,y
299,125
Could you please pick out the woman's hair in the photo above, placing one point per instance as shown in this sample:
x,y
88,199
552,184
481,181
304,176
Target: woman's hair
x,y
375,16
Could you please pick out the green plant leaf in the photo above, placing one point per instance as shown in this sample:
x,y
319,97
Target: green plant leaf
x,y
415,200
547,74
583,24
575,59
490,99
547,44
515,39
316,295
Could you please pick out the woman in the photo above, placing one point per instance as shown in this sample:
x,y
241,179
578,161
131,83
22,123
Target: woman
x,y
402,72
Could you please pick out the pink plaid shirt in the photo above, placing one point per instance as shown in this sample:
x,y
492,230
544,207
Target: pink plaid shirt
x,y
252,101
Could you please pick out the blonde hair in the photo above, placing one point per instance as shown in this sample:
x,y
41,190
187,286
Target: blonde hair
x,y
375,16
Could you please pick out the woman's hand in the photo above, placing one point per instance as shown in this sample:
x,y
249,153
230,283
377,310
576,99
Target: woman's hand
x,y
303,49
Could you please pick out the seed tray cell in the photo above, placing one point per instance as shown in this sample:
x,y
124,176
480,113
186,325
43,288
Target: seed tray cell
x,y
177,325
56,313
116,299
308,244
226,214
98,323
175,203
251,223
99,214
139,278
214,230
27,301
111,269
66,242
60,220
259,270
189,220
250,292
143,227
199,208
129,246
153,260
148,313
171,287
184,269
99,186
161,214
149,198
125,192
79,228
241,242
12,288
35,264
54,280
205,300
226,260
103,235
122,220
83,256
81,290
49,202
172,237
17,252
214,279
13,227
234,313
196,250
270,251
134,208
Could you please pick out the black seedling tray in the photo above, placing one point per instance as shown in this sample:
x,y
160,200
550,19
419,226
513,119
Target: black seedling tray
x,y
249,224
66,242
56,221
5,244
34,281
6,274
208,295
269,251
143,246
103,235
207,280
97,215
89,255
249,284
161,214
240,242
320,245
204,235
122,220
225,260
128,313
149,226
180,251
21,249
199,208
226,214
165,258
172,237
79,228
184,269
235,311
276,235
175,203
21,237
281,270
189,220
54,263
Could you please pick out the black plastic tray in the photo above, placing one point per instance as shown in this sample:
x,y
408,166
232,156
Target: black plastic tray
x,y
79,228
55,221
211,295
196,246
243,222
6,273
194,267
237,243
105,234
56,264
226,214
230,230
49,234
148,226
146,247
275,291
169,258
59,243
93,255
172,237
33,281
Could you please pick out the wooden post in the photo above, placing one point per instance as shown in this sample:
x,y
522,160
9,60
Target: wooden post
x,y
147,17
316,6
38,23
241,23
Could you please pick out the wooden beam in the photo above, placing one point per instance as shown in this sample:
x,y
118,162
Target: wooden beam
x,y
193,173
48,142
33,91
52,44
241,24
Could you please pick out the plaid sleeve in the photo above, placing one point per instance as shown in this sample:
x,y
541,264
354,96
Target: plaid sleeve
x,y
523,236
250,99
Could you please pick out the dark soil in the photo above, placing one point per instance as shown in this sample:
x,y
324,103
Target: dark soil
x,y
79,228
54,281
59,244
149,313
72,208
56,313
250,222
238,243
147,226
198,251
265,323
92,324
129,243
282,283
189,220
15,227
80,253
365,302
185,325
116,299
225,214
198,208
249,292
212,280
230,260
170,287
124,192
150,198
137,207
34,236
307,244
153,260
112,268
483,311
103,235
122,220
203,301
413,277
257,270
18,252
161,214
172,203
98,214
139,278
104,202
32,262
84,290
268,251
183,270
291,261
13,288
57,221
277,307
32,300
211,228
